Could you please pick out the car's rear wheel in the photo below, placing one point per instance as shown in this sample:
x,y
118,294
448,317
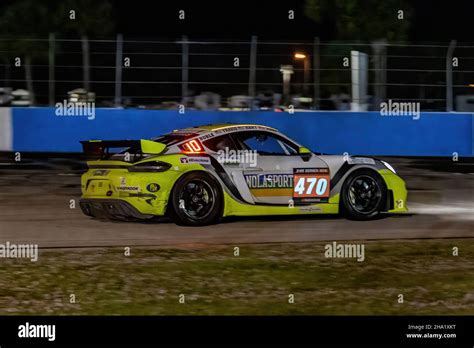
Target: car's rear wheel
x,y
196,200
363,195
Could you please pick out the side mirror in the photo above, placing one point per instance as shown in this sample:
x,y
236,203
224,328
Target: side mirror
x,y
304,150
305,153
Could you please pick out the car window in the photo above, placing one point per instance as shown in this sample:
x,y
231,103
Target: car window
x,y
222,142
266,143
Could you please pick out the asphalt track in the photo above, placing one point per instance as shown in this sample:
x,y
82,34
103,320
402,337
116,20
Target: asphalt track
x,y
35,208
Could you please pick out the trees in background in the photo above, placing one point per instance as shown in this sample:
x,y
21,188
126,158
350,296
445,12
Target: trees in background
x,y
27,24
86,18
358,21
27,20
363,20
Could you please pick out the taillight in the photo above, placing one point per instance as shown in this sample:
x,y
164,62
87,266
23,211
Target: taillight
x,y
152,166
192,146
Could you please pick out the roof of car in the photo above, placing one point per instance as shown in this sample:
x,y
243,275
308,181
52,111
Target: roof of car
x,y
214,127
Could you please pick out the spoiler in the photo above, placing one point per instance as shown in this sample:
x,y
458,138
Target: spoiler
x,y
100,148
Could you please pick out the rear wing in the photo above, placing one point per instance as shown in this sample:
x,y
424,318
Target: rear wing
x,y
100,149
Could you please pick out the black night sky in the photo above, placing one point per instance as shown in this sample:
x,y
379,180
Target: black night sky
x,y
431,22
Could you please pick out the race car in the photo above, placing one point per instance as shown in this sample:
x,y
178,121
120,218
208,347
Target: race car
x,y
199,175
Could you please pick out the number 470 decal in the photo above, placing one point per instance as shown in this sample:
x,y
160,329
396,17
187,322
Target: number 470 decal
x,y
311,185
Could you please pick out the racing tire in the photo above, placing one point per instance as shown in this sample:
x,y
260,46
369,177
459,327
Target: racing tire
x,y
363,195
196,200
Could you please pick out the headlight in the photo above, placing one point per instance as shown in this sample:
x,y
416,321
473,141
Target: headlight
x,y
152,166
389,167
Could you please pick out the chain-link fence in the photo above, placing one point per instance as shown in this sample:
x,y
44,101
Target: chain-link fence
x,y
207,74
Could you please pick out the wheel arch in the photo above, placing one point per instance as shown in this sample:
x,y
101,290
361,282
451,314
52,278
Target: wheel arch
x,y
191,171
355,169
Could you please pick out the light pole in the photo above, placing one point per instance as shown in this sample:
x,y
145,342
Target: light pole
x,y
449,76
305,59
286,71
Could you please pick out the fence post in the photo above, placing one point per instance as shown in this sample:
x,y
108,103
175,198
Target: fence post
x,y
359,77
449,76
7,72
286,72
379,60
316,74
51,75
118,70
184,70
85,63
252,71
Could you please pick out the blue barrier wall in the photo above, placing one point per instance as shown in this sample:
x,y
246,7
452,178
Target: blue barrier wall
x,y
364,133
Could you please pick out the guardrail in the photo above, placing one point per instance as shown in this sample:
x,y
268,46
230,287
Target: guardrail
x,y
364,133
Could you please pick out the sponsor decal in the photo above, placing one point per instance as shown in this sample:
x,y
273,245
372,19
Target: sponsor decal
x,y
100,172
96,185
306,185
311,185
269,181
360,160
153,187
231,130
240,128
128,188
310,209
206,136
195,160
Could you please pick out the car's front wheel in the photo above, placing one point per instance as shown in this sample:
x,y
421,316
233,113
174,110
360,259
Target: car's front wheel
x,y
196,200
363,195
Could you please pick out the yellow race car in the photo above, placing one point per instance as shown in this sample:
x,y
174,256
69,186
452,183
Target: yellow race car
x,y
198,175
